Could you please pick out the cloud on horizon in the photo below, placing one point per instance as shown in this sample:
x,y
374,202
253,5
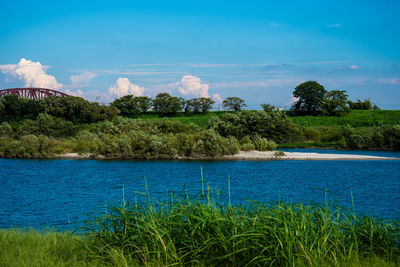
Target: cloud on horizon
x,y
124,87
82,79
192,85
33,74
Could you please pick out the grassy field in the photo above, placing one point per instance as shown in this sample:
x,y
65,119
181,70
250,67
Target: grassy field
x,y
356,118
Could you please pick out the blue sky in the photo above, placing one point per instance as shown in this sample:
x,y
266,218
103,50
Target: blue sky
x,y
257,50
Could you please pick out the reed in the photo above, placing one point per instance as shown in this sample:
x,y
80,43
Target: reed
x,y
201,231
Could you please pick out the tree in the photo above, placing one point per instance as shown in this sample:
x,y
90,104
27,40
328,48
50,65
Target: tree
x,y
233,103
143,103
335,103
310,96
206,104
126,105
365,105
165,104
268,107
197,105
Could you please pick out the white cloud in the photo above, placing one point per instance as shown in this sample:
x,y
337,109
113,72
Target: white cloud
x,y
82,79
389,81
32,73
217,98
191,85
74,93
353,67
124,87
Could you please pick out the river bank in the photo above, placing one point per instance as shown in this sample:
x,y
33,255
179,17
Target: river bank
x,y
247,155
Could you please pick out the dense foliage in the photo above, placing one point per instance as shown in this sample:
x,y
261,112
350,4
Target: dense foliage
x,y
165,104
198,105
335,103
130,104
71,108
313,99
309,98
272,125
126,138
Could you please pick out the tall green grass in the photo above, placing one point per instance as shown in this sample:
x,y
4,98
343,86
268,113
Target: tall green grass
x,y
201,231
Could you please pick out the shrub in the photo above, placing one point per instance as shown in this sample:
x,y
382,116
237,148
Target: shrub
x,y
28,145
273,125
263,144
246,144
5,130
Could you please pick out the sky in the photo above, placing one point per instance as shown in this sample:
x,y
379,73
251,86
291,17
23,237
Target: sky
x,y
256,50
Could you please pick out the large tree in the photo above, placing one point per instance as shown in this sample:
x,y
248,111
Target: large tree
x,y
132,105
335,103
165,104
310,96
197,105
233,103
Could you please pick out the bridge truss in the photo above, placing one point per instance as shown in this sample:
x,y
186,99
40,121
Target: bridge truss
x,y
32,93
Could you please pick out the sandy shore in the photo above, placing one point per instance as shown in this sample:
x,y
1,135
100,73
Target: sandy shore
x,y
252,155
270,155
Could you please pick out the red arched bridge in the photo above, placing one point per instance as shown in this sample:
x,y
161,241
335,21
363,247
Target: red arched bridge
x,y
32,93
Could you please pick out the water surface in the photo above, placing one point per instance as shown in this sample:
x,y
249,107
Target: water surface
x,y
56,193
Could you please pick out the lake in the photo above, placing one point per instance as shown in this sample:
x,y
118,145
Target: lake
x,y
58,193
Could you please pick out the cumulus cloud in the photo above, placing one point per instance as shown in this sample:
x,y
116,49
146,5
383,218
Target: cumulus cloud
x,y
124,87
74,93
217,98
191,85
82,79
32,73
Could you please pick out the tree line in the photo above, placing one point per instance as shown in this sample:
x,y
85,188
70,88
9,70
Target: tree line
x,y
166,105
313,99
71,108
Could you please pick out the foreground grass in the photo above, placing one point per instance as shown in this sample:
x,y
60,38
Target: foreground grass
x,y
203,233
32,248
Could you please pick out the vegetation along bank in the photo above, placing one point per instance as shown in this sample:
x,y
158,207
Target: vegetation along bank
x,y
170,127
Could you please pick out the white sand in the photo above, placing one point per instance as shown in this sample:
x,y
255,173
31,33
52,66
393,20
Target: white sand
x,y
253,155
270,155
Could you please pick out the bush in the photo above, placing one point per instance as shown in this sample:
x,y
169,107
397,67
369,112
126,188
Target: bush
x,y
28,146
5,130
246,144
272,125
263,144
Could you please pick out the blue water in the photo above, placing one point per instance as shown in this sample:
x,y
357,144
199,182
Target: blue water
x,y
58,193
